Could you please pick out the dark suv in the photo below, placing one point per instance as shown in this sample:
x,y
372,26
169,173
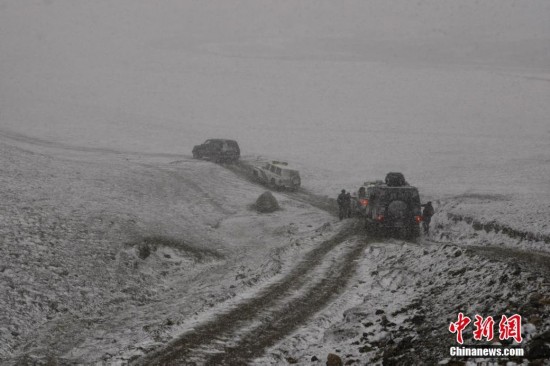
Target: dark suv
x,y
218,150
393,207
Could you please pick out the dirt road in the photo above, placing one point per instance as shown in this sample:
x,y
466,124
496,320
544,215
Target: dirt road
x,y
244,332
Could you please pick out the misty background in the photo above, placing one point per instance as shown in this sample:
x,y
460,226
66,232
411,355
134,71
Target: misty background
x,y
452,93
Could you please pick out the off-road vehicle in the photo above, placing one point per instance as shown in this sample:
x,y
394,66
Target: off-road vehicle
x,y
392,208
359,199
218,151
278,175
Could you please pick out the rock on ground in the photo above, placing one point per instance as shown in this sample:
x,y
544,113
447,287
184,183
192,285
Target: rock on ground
x,y
266,203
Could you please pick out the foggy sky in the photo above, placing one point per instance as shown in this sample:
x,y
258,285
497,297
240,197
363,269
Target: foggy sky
x,y
67,65
65,31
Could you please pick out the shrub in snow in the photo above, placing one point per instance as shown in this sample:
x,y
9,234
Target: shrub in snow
x,y
143,250
266,203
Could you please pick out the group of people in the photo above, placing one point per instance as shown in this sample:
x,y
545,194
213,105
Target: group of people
x,y
344,204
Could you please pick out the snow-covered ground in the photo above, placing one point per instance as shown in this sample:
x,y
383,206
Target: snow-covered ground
x,y
113,240
99,257
393,312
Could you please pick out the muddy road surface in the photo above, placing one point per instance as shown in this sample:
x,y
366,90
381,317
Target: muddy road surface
x,y
243,333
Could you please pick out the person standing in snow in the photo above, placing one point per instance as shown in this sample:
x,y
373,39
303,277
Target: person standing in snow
x,y
427,214
347,203
341,204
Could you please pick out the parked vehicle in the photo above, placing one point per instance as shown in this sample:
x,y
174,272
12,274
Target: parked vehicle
x,y
360,201
218,151
277,174
392,208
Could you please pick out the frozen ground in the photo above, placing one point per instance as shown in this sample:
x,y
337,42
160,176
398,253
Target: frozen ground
x,y
114,242
127,251
107,257
392,312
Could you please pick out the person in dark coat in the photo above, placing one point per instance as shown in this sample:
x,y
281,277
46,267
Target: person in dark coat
x,y
341,204
427,214
347,204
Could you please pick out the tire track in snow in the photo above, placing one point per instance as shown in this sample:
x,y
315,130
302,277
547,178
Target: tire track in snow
x,y
293,314
274,309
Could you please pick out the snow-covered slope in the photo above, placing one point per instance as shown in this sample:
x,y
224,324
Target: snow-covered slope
x,y
104,253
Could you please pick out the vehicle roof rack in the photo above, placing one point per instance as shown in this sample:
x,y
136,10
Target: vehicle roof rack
x,y
373,183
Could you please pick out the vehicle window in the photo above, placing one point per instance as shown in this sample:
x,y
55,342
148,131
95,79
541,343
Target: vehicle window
x,y
278,171
402,195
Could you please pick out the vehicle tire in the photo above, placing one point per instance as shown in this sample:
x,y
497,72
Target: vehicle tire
x,y
196,155
373,231
413,232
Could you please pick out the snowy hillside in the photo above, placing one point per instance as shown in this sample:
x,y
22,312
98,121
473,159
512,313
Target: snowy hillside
x,y
125,250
